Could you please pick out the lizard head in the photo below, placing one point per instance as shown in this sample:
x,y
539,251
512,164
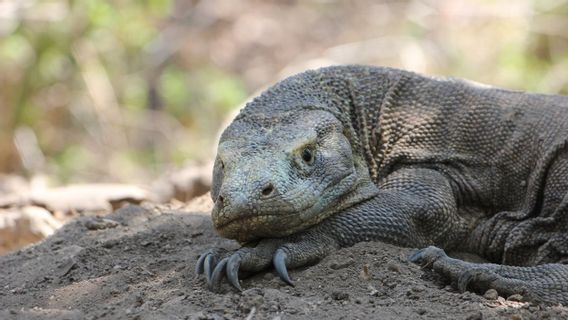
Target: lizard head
x,y
276,175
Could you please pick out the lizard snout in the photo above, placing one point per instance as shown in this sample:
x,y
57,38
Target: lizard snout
x,y
238,200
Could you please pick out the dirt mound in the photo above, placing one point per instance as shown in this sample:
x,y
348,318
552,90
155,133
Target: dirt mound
x,y
138,263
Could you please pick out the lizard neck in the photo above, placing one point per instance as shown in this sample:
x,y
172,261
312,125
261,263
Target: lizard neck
x,y
363,189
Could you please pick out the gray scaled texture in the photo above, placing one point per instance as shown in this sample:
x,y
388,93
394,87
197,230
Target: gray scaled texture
x,y
344,154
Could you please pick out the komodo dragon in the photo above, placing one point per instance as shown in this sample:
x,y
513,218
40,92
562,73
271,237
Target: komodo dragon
x,y
344,154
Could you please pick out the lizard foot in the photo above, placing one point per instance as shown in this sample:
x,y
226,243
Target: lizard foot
x,y
536,283
282,254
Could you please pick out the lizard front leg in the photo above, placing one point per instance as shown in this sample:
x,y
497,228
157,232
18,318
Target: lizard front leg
x,y
414,207
303,248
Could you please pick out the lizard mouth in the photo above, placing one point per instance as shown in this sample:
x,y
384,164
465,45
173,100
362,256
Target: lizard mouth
x,y
244,220
255,222
250,227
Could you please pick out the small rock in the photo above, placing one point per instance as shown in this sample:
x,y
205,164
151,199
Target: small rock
x,y
145,243
99,223
475,316
516,317
109,244
392,266
66,266
515,297
412,295
268,276
491,294
338,295
253,297
336,265
421,311
417,289
373,291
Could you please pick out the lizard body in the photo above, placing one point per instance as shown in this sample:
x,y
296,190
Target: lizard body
x,y
344,154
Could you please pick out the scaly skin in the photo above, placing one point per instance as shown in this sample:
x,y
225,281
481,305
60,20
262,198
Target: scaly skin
x,y
332,157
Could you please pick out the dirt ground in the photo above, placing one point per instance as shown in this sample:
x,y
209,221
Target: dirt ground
x,y
138,263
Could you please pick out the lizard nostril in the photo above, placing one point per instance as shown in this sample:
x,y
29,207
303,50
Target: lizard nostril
x,y
267,190
220,199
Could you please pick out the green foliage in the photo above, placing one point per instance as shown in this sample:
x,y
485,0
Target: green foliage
x,y
74,72
175,91
118,90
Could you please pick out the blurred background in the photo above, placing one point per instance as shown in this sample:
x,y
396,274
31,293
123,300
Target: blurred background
x,y
130,90
121,90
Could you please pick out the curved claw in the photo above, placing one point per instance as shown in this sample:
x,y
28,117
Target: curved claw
x,y
279,262
217,273
199,264
427,256
208,265
233,271
417,257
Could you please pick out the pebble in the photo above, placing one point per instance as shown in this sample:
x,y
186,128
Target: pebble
x,y
475,316
515,297
336,265
391,266
491,294
109,244
145,243
100,224
338,295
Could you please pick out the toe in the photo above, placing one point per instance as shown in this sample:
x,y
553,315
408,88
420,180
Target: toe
x,y
209,265
207,262
217,274
199,268
464,280
417,257
233,265
427,256
279,262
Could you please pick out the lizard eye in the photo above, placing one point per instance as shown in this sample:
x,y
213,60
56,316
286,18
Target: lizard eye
x,y
308,156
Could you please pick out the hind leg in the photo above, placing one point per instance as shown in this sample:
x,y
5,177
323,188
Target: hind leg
x,y
542,237
536,245
546,283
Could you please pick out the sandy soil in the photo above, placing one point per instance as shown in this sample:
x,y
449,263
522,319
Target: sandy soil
x,y
138,263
